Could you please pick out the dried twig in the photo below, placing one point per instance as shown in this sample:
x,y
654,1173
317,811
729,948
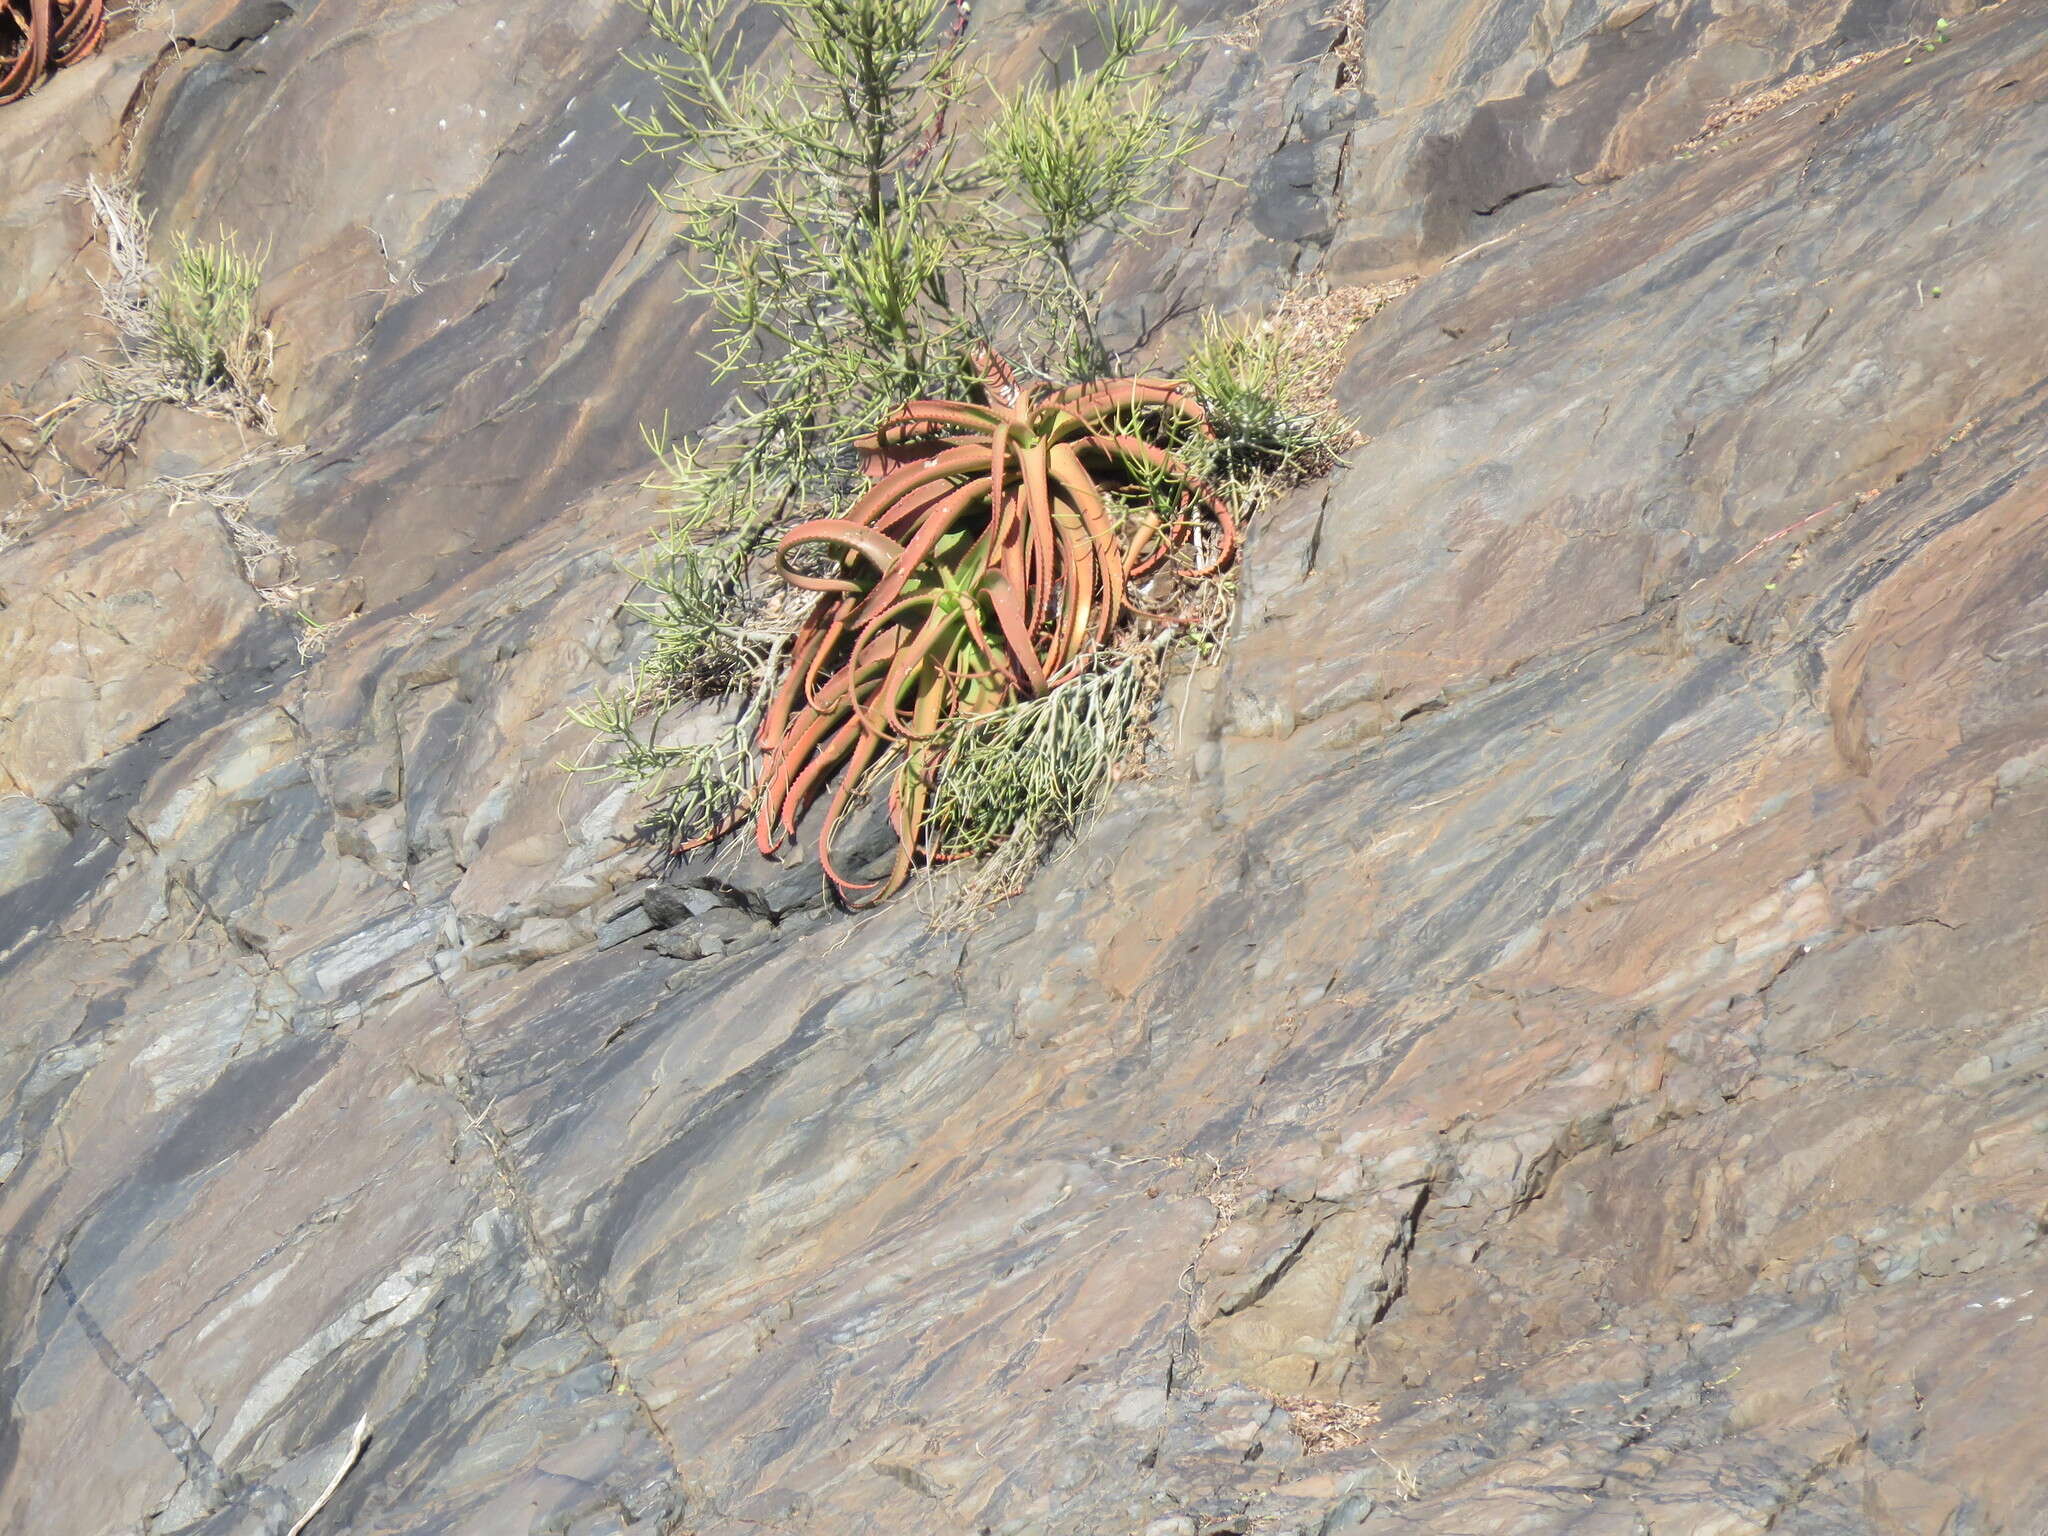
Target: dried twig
x,y
359,1439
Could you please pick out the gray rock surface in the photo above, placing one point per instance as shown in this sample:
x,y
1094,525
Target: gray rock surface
x,y
1559,1045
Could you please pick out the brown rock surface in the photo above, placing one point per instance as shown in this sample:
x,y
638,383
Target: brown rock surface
x,y
1574,992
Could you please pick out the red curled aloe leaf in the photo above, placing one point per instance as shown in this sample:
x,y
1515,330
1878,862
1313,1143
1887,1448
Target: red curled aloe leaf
x,y
38,36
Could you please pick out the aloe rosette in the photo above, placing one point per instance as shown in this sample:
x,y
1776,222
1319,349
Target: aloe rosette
x,y
1001,544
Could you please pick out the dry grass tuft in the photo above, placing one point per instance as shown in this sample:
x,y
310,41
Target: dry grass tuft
x,y
25,441
314,637
1267,386
1346,19
1325,1426
268,564
1319,325
1244,33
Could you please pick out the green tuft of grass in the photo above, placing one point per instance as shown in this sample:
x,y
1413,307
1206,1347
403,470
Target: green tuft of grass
x,y
1014,782
1266,405
1082,151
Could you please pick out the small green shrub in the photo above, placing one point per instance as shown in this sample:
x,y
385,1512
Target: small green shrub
x,y
184,335
1082,152
854,243
202,319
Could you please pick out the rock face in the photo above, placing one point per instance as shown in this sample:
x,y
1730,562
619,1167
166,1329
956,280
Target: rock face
x,y
1559,1045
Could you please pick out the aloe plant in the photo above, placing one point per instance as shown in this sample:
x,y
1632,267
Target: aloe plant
x,y
1003,542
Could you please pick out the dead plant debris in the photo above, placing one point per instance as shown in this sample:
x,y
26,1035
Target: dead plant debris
x,y
1737,111
1244,34
1320,322
1347,20
1324,1426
